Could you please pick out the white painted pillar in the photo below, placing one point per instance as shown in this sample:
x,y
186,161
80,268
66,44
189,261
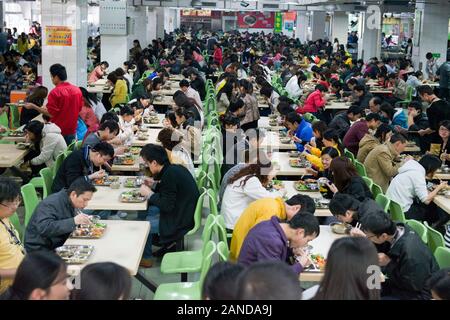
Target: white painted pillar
x,y
302,24
369,43
151,25
340,27
72,14
318,25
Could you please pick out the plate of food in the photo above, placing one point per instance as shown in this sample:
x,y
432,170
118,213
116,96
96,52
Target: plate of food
x,y
273,116
143,129
91,231
294,154
285,140
23,146
133,182
75,254
273,123
152,120
318,263
298,163
16,133
340,227
275,185
142,136
306,185
135,150
132,196
158,98
321,203
105,181
124,160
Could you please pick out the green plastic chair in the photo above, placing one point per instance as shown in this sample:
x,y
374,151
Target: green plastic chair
x,y
4,121
419,228
206,180
15,116
368,181
434,238
15,221
188,261
198,212
407,101
383,201
376,190
360,168
47,177
396,212
71,146
30,201
58,162
223,251
442,256
187,290
349,155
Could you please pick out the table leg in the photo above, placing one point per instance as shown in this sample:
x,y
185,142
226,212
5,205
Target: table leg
x,y
146,282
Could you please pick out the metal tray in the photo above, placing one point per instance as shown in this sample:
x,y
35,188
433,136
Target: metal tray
x,y
137,198
88,231
75,254
120,161
105,182
133,182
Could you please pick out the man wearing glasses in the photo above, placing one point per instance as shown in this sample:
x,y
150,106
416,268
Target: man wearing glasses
x,y
11,249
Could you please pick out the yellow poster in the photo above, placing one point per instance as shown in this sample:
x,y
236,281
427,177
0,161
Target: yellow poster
x,y
58,36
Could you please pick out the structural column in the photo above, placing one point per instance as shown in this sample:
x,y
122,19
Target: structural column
x,y
56,47
430,32
302,25
369,44
340,27
318,25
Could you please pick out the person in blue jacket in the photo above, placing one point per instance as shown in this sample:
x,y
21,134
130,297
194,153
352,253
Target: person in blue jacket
x,y
299,129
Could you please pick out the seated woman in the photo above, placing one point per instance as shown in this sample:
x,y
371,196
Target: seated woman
x,y
318,128
126,125
98,72
330,139
444,133
369,141
394,117
315,102
47,143
191,135
37,96
327,155
119,94
143,89
87,113
347,180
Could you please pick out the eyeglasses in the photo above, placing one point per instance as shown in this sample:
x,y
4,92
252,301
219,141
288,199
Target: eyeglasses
x,y
12,205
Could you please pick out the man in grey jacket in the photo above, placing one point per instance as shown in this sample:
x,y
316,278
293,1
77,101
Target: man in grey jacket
x,y
57,216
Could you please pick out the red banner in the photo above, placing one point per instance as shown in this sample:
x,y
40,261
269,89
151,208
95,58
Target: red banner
x,y
255,20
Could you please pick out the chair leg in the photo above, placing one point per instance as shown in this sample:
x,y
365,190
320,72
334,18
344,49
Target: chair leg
x,y
180,245
184,277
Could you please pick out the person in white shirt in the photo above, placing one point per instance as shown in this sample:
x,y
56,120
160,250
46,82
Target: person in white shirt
x,y
410,184
126,125
246,186
414,81
271,96
390,66
294,85
192,93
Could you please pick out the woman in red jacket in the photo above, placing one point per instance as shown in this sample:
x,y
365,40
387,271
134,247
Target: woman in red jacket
x,y
217,56
315,102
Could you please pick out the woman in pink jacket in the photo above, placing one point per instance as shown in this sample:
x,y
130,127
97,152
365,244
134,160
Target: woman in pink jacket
x,y
315,102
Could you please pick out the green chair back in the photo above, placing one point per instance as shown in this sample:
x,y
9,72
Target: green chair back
x,y
59,160
30,200
383,201
198,212
376,190
368,181
47,177
435,238
396,212
223,251
14,219
419,228
208,228
15,116
4,121
360,168
208,253
442,256
349,155
71,146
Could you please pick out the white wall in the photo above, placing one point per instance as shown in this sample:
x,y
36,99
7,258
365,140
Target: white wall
x,y
93,20
21,14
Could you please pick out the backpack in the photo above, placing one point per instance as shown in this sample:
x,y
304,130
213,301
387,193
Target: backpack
x,y
81,129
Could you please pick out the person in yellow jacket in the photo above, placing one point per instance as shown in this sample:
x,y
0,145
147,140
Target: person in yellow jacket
x,y
330,138
120,92
22,43
262,210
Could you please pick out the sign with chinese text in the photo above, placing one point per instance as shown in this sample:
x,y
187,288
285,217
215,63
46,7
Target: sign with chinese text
x,y
278,22
58,36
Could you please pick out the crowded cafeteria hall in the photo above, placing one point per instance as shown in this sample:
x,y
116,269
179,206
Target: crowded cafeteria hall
x,y
192,150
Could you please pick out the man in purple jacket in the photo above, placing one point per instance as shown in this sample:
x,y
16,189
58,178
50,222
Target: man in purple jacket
x,y
272,240
359,130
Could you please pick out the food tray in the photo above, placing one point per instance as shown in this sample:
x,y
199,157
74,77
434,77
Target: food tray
x,y
142,136
306,186
297,163
124,161
92,231
294,154
318,263
132,196
16,134
132,182
275,185
105,181
75,254
340,228
151,120
321,203
135,150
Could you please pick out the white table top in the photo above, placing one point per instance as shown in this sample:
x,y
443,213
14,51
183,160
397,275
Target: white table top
x,y
129,168
166,101
176,77
167,92
13,139
443,203
161,117
442,176
10,155
107,198
263,122
123,243
289,185
152,136
285,169
272,141
336,105
321,245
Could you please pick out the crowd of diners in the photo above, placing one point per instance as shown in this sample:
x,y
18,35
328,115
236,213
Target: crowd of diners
x,y
269,231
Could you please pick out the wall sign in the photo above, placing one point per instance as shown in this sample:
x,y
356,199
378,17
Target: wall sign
x,y
58,36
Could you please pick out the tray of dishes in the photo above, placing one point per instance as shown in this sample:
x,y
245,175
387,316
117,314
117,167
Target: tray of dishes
x,y
132,196
306,185
340,227
275,185
22,146
322,203
124,160
151,120
133,182
89,231
318,262
294,154
134,150
142,136
105,181
75,254
298,163
16,133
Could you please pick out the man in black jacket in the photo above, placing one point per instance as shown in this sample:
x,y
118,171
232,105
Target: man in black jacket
x,y
83,163
57,216
406,261
172,200
341,122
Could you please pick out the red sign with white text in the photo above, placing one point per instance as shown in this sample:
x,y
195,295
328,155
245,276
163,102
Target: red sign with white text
x,y
255,20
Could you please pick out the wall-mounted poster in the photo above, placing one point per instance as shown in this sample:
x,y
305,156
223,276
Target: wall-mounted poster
x,y
58,36
255,20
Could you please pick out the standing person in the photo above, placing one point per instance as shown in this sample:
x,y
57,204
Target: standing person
x,y
217,55
64,103
444,80
431,67
22,43
3,41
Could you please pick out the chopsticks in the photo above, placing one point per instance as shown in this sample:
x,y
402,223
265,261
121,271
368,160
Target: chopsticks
x,y
358,225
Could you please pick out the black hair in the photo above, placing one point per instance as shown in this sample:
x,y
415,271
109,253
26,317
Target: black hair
x,y
248,87
80,186
416,105
9,190
360,88
398,137
332,134
439,283
104,148
425,89
352,81
156,81
184,83
378,222
284,108
321,88
229,119
429,55
235,105
306,202
331,151
430,163
35,127
341,202
58,70
377,101
105,63
381,132
319,126
104,281
126,111
388,109
355,109
38,270
445,123
170,115
262,280
112,76
113,126
293,117
266,91
221,281
153,152
307,221
373,116
109,116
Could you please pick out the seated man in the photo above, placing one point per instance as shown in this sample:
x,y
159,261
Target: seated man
x,y
272,240
264,209
83,163
107,131
172,200
341,122
57,216
11,248
359,129
407,262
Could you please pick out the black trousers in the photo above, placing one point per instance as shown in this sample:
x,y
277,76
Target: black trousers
x,y
430,213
